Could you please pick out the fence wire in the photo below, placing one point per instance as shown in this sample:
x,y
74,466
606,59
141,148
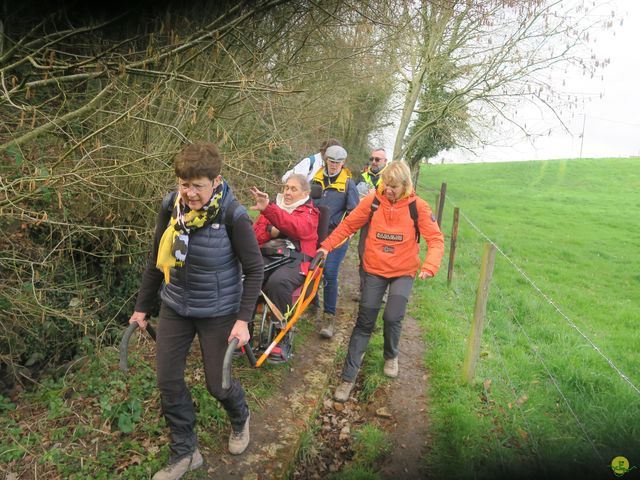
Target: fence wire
x,y
546,297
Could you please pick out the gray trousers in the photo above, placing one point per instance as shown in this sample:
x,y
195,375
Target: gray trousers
x,y
370,302
174,337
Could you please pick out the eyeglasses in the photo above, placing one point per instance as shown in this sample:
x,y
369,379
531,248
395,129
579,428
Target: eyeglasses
x,y
185,186
377,159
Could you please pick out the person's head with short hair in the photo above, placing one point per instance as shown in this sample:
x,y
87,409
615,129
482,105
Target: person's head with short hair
x,y
377,160
201,159
295,188
197,167
329,142
334,159
396,179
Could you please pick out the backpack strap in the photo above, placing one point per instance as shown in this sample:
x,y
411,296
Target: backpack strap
x,y
229,215
169,201
364,230
374,207
312,162
413,211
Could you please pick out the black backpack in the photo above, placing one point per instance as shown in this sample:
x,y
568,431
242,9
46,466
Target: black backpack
x,y
413,211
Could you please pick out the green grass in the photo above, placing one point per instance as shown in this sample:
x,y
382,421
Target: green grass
x,y
371,371
100,422
570,228
370,445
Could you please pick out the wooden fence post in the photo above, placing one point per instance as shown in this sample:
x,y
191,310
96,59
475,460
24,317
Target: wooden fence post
x,y
479,312
452,248
443,191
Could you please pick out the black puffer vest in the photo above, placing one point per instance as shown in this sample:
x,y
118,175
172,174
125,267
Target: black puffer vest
x,y
209,284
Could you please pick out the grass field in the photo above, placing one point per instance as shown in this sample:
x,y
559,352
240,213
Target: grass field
x,y
562,312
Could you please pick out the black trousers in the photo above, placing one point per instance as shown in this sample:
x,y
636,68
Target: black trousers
x,y
281,282
174,337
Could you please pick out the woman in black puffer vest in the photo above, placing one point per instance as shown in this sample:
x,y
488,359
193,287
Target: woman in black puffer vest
x,y
203,245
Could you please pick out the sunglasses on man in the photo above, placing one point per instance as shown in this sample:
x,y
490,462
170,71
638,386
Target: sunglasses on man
x,y
376,159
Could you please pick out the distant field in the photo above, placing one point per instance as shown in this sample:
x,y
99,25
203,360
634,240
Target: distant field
x,y
545,401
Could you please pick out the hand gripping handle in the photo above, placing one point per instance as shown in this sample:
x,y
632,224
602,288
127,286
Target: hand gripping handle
x,y
228,360
124,343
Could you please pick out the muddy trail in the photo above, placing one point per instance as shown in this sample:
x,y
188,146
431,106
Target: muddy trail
x,y
305,405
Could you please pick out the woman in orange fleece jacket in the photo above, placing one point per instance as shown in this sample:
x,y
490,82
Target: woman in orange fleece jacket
x,y
391,259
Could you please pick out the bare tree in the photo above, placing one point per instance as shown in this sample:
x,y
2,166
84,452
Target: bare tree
x,y
484,58
94,104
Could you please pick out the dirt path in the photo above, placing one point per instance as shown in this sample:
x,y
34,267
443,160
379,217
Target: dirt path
x,y
406,401
305,401
277,426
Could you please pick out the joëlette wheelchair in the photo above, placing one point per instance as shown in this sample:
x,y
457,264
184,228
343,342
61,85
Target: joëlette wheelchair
x,y
273,330
273,325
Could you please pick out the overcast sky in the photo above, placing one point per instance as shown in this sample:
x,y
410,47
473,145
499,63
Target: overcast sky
x,y
611,107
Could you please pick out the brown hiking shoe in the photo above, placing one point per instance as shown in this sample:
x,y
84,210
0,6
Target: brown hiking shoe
x,y
176,470
328,325
391,367
238,441
343,391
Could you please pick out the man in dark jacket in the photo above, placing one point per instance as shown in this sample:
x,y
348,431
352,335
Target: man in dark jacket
x,y
370,176
340,195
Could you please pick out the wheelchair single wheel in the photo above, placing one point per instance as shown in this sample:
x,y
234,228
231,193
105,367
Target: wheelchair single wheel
x,y
263,338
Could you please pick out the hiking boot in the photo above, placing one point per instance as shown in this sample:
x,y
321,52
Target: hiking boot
x,y
343,391
238,441
328,325
391,367
176,470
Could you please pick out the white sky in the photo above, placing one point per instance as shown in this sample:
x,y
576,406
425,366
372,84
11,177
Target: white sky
x,y
611,122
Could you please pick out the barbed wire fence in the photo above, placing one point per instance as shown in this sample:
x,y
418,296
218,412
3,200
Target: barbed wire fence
x,y
555,306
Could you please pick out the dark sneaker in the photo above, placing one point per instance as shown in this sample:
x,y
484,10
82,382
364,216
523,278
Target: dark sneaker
x,y
238,441
278,355
176,470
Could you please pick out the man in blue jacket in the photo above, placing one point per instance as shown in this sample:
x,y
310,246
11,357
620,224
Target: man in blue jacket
x,y
340,195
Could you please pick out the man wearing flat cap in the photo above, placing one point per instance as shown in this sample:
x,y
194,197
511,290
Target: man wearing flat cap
x,y
310,165
340,195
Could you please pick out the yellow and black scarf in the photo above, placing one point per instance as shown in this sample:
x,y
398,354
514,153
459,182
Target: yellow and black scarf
x,y
174,243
